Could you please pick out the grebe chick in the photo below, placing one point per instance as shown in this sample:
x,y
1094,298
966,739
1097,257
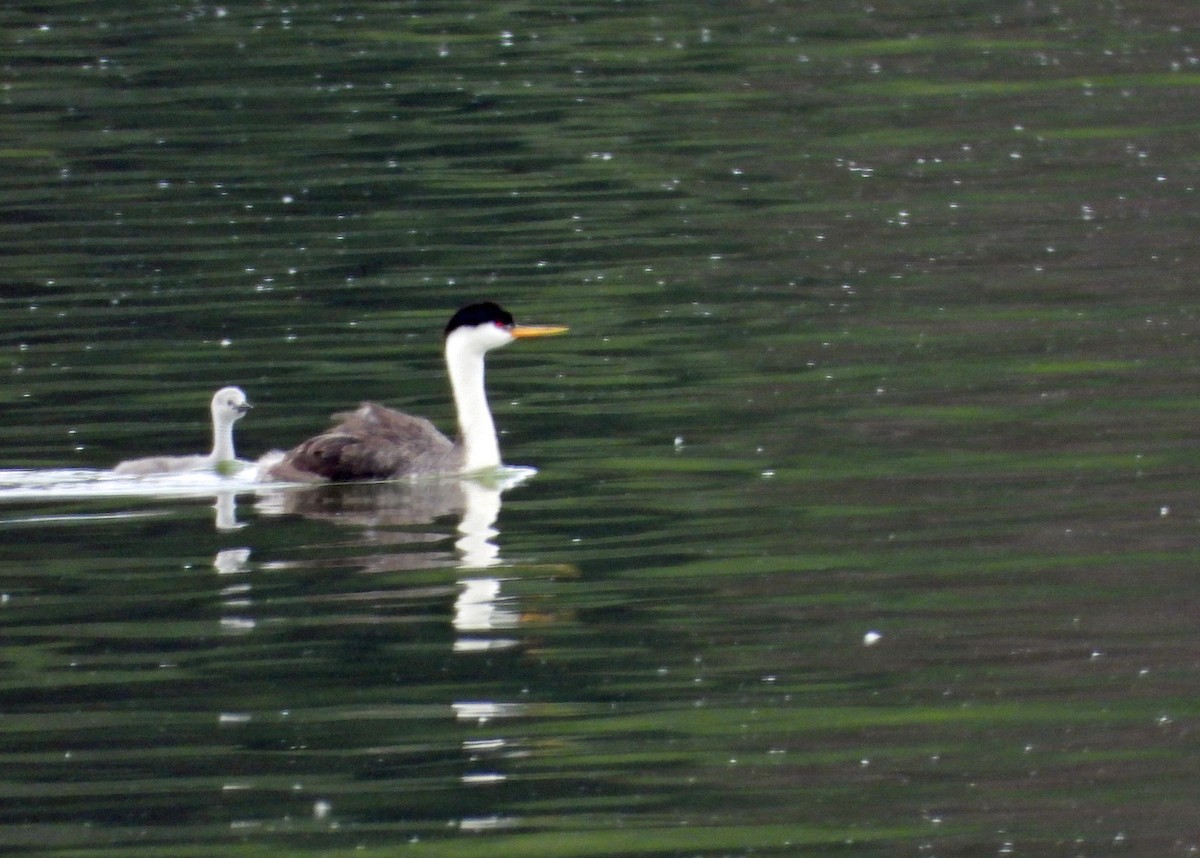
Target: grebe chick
x,y
228,406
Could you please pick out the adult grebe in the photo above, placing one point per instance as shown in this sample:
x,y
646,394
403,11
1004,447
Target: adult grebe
x,y
228,406
378,443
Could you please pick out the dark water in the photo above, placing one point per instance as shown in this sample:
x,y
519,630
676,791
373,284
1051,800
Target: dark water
x,y
865,519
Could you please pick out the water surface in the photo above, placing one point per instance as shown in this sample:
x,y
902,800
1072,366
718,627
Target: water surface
x,y
864,514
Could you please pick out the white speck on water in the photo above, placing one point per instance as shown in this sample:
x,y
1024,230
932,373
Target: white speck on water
x,y
1164,511
484,778
768,474
321,809
871,638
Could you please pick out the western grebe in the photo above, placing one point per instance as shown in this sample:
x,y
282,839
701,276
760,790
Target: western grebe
x,y
378,443
228,406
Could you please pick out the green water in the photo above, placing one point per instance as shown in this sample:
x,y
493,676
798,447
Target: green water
x,y
865,514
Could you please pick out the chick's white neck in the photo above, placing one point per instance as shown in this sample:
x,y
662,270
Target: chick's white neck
x,y
222,439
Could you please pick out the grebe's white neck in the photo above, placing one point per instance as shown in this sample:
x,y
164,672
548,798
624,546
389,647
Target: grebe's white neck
x,y
465,350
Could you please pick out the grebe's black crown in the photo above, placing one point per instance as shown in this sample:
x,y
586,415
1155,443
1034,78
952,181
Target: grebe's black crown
x,y
479,314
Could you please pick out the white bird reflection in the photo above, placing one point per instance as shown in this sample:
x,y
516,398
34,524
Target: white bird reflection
x,y
479,609
56,483
236,601
393,526
392,514
83,483
383,513
380,505
481,509
225,510
389,513
19,485
481,712
484,618
488,823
